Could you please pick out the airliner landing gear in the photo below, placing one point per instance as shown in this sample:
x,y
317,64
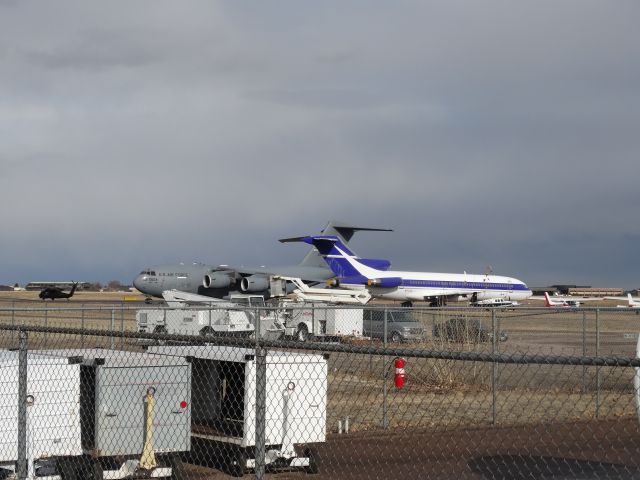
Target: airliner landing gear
x,y
439,301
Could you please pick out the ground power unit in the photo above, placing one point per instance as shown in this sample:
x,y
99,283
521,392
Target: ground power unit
x,y
53,427
321,321
190,321
134,412
224,399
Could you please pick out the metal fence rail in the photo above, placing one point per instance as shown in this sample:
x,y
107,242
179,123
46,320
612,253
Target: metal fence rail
x,y
553,397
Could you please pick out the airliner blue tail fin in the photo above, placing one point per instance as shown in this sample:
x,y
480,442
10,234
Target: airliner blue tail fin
x,y
341,260
335,253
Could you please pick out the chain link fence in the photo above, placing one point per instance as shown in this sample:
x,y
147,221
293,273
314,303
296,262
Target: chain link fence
x,y
109,392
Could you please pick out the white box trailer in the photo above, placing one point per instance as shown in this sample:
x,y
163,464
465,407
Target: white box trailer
x,y
134,414
189,321
224,400
304,321
53,412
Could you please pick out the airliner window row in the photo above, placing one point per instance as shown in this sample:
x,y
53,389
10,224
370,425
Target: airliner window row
x,y
446,284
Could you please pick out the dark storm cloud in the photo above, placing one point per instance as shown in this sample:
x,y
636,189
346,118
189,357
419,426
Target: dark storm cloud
x,y
484,134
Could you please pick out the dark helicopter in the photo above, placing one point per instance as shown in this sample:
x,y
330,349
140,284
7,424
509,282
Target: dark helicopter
x,y
55,292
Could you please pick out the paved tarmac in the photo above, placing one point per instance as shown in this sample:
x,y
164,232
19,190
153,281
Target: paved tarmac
x,y
584,450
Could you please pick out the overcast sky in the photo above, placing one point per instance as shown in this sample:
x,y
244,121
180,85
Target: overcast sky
x,y
484,133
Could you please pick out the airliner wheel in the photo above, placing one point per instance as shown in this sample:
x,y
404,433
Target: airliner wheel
x,y
302,335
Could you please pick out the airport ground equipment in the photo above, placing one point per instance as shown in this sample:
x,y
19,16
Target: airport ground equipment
x,y
266,321
224,396
239,314
134,411
195,321
52,413
321,321
304,293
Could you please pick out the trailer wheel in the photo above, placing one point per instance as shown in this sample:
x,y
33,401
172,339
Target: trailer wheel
x,y
207,332
302,335
238,462
162,330
312,455
396,337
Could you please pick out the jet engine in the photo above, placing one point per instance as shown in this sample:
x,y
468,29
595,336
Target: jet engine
x,y
216,280
254,283
389,282
486,295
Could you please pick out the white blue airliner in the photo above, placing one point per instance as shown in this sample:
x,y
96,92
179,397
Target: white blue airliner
x,y
353,272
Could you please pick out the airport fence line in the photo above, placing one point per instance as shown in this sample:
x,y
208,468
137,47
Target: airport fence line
x,y
478,399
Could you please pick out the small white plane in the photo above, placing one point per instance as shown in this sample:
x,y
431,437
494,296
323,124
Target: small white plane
x,y
631,303
495,302
562,303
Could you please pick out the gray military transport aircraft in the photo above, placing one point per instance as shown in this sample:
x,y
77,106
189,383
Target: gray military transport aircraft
x,y
219,281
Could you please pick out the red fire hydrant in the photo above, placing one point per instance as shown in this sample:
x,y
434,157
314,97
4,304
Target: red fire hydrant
x,y
399,379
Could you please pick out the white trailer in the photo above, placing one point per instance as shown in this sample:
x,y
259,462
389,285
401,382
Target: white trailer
x,y
190,321
224,400
320,320
53,412
131,413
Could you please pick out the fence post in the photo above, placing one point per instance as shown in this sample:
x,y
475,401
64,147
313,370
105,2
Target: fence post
x,y
82,325
258,326
597,368
584,351
261,409
385,420
494,366
122,325
113,328
22,406
13,319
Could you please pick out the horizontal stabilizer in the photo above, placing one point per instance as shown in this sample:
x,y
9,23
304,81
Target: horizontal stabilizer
x,y
377,263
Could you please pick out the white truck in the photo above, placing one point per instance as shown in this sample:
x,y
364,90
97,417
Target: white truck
x,y
301,319
308,320
194,321
224,406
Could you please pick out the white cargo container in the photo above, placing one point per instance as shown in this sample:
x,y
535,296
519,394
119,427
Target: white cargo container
x,y
304,321
112,397
53,412
224,400
188,321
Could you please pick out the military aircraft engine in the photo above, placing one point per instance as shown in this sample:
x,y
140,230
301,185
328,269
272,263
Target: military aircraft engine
x,y
216,280
254,283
